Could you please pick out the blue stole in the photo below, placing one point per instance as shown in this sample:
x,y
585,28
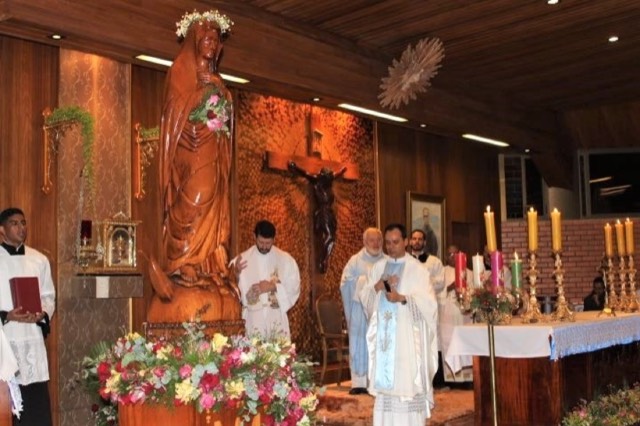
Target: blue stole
x,y
386,333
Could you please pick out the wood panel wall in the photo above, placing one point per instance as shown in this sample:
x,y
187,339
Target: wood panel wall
x,y
29,83
465,173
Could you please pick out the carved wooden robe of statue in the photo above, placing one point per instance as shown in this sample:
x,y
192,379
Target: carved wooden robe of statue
x,y
192,275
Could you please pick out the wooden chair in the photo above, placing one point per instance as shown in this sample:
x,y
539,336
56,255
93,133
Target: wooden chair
x,y
333,333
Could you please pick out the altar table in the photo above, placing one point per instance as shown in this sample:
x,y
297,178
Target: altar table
x,y
544,369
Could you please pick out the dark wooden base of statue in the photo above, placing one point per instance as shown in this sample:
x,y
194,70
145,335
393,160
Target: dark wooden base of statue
x,y
5,405
176,329
150,414
538,391
190,303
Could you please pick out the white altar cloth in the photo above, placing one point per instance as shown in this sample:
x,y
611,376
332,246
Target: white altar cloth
x,y
554,340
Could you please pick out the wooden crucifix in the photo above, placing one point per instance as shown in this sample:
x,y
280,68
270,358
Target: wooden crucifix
x,y
321,174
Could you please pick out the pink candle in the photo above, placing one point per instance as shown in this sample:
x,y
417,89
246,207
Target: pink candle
x,y
496,271
461,270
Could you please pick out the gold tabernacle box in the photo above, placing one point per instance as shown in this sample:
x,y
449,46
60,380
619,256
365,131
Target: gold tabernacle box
x,y
107,247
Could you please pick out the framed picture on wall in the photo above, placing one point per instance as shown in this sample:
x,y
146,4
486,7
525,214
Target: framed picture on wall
x,y
427,212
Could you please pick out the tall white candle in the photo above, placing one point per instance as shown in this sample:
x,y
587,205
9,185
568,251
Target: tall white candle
x,y
478,269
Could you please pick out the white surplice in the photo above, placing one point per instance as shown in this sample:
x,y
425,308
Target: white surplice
x,y
26,339
410,399
262,318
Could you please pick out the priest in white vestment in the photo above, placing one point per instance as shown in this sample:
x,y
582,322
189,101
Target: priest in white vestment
x,y
354,276
269,282
402,335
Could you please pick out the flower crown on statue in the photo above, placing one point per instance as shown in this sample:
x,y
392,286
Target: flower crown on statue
x,y
224,23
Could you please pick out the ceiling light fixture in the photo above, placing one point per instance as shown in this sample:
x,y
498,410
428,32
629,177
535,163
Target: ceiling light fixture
x,y
316,99
485,140
613,39
602,179
56,36
373,112
423,125
167,63
553,1
527,150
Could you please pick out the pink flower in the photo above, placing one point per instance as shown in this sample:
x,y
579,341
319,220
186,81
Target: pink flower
x,y
158,371
185,371
206,401
214,124
213,100
204,346
294,396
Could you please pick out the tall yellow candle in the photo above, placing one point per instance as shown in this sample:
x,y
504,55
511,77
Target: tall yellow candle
x,y
608,241
628,233
490,227
532,227
620,238
556,233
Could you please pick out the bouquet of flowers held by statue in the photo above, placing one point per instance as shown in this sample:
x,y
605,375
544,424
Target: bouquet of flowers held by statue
x,y
214,110
237,372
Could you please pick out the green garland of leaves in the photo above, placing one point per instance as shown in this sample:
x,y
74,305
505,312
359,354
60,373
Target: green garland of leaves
x,y
79,115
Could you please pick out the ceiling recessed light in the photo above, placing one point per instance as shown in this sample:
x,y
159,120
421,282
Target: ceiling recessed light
x,y
423,125
553,1
167,63
316,99
613,39
373,112
527,150
56,36
485,140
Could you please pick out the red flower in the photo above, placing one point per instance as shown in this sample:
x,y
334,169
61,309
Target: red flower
x,y
95,408
209,381
268,420
211,115
104,371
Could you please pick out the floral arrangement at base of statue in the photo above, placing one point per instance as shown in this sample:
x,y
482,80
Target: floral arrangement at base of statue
x,y
239,373
619,408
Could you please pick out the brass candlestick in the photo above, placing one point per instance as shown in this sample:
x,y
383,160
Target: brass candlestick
x,y
606,267
623,301
562,312
609,277
463,296
632,305
532,313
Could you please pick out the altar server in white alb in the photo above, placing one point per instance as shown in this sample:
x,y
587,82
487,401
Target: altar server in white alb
x,y
402,336
24,330
354,276
450,315
269,282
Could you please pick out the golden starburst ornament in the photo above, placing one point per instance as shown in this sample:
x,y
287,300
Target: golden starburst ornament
x,y
412,73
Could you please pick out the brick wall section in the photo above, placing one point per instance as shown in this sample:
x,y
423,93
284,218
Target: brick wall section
x,y
582,251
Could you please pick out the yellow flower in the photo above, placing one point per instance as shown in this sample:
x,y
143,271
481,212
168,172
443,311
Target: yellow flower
x,y
219,341
113,382
234,388
133,336
164,351
185,391
309,402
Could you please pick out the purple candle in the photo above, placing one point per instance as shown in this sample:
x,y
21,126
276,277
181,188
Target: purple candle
x,y
496,271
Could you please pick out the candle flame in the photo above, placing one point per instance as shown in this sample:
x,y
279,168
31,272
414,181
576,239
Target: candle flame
x,y
555,210
488,209
627,220
618,221
515,255
531,209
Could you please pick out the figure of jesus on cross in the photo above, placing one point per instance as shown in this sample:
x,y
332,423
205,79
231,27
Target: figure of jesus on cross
x,y
324,218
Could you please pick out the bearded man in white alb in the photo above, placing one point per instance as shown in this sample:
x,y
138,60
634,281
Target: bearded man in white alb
x,y
269,282
354,276
402,335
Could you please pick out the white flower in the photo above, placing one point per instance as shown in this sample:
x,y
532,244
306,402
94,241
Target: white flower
x,y
223,22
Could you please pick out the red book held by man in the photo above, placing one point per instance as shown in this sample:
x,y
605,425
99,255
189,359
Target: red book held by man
x,y
25,292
